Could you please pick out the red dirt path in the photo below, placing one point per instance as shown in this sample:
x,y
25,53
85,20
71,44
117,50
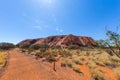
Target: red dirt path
x,y
26,67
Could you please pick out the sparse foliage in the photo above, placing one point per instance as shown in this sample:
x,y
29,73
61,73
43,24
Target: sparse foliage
x,y
73,47
6,46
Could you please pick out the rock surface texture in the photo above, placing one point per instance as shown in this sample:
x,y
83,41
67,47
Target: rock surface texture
x,y
61,40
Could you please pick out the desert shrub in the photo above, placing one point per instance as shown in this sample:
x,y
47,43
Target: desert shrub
x,y
100,52
67,62
115,58
55,47
35,47
102,58
78,52
22,50
25,46
105,59
92,58
51,55
113,62
77,59
42,54
51,58
6,46
87,53
63,63
76,68
38,54
97,74
117,72
30,51
91,64
100,63
73,47
65,53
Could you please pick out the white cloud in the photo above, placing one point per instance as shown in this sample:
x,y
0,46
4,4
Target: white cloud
x,y
38,27
41,27
59,30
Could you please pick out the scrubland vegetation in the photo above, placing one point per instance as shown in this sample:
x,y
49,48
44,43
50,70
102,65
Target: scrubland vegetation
x,y
4,47
105,55
74,58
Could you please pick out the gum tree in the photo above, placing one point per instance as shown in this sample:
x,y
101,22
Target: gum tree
x,y
113,42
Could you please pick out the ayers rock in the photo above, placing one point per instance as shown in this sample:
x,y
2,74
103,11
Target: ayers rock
x,y
61,40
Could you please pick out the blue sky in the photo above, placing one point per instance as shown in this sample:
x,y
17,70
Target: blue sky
x,y
24,19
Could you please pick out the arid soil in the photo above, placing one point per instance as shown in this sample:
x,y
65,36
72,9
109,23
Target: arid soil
x,y
26,67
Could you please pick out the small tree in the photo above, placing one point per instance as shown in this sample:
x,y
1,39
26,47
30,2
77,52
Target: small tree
x,y
101,43
113,42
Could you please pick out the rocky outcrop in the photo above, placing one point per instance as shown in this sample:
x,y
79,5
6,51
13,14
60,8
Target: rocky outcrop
x,y
62,40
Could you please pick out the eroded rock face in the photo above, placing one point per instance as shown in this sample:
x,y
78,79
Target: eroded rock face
x,y
62,40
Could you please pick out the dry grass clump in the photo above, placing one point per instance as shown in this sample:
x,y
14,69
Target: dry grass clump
x,y
3,57
91,64
97,74
102,59
87,53
101,63
115,61
65,53
115,58
117,72
76,68
67,62
92,58
78,59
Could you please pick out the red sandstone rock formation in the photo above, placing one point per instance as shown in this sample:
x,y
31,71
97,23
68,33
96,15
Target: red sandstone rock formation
x,y
63,40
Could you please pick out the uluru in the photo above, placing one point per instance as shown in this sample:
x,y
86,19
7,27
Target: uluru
x,y
61,40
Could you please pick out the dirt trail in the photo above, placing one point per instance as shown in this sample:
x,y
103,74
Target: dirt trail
x,y
24,67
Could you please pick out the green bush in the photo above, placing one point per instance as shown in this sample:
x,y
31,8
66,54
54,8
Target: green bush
x,y
35,47
25,46
6,46
73,47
